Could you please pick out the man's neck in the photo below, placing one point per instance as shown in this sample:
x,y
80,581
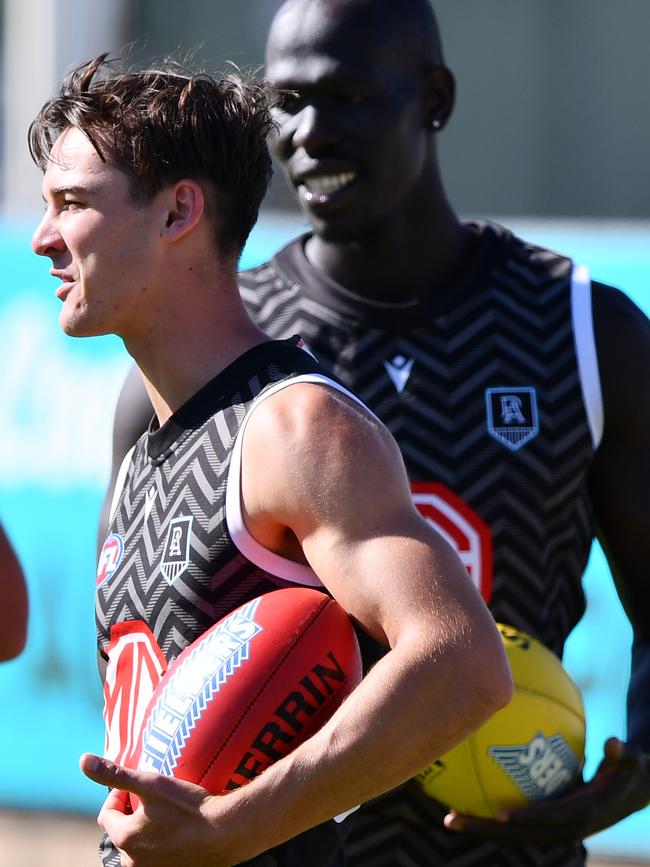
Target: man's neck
x,y
405,261
181,353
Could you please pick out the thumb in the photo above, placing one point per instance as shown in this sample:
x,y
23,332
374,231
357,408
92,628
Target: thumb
x,y
147,785
107,773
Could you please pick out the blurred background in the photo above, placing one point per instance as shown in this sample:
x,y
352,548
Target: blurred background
x,y
550,136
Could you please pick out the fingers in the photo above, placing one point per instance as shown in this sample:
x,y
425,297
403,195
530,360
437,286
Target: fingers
x,y
614,748
621,786
118,800
115,810
627,756
454,821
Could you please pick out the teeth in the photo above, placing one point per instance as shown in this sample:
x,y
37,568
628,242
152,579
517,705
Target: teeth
x,y
325,185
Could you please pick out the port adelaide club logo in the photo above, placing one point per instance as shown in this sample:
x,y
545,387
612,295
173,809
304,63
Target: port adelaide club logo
x,y
512,415
176,552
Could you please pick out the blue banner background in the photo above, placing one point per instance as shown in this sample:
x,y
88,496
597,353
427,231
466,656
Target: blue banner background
x,y
55,417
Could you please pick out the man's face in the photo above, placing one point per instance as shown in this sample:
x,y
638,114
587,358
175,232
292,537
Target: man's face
x,y
98,239
353,140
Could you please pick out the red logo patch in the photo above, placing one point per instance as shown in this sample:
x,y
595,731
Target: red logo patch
x,y
135,666
459,524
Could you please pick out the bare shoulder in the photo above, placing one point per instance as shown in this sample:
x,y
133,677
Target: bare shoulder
x,y
620,325
622,333
317,418
316,447
615,309
619,478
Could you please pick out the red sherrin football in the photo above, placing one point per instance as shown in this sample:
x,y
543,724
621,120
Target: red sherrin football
x,y
250,689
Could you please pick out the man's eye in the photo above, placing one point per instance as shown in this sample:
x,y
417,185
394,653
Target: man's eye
x,y
70,205
292,102
287,101
344,99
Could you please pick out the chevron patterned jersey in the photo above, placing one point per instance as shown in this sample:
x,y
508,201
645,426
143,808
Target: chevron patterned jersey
x,y
169,568
487,387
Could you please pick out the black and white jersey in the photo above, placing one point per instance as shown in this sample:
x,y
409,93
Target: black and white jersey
x,y
178,558
491,389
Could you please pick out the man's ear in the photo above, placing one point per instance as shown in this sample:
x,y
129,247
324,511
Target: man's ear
x,y
185,205
439,94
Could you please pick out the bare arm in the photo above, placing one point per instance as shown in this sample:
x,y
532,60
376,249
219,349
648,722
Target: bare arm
x,y
338,489
619,484
620,480
13,611
133,413
336,495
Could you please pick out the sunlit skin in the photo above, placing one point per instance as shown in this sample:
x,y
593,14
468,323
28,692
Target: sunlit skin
x,y
124,269
99,240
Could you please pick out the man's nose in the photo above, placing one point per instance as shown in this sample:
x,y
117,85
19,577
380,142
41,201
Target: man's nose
x,y
47,240
314,128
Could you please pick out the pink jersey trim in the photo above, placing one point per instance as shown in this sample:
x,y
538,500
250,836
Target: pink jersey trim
x,y
298,573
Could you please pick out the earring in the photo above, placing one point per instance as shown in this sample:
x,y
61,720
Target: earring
x,y
435,123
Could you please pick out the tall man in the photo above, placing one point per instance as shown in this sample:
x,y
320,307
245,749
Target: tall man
x,y
152,182
498,367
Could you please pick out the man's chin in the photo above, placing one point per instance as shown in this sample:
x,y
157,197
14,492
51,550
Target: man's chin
x,y
337,230
78,328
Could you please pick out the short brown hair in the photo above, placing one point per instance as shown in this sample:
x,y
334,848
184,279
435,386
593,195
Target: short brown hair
x,y
161,125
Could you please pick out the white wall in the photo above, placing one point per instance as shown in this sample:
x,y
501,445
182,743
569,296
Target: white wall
x,y
41,40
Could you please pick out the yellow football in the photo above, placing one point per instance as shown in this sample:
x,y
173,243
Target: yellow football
x,y
532,749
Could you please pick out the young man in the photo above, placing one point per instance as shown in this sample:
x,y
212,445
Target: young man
x,y
517,390
152,182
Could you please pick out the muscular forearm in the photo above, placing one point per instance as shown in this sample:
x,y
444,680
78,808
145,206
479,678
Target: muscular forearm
x,y
412,707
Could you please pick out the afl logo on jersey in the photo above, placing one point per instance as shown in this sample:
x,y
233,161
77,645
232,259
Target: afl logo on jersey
x,y
458,523
512,415
109,558
176,553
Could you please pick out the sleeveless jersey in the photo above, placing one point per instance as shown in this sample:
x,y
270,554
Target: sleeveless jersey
x,y
172,563
491,390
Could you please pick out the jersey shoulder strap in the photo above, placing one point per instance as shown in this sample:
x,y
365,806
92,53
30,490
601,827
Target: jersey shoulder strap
x,y
586,353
